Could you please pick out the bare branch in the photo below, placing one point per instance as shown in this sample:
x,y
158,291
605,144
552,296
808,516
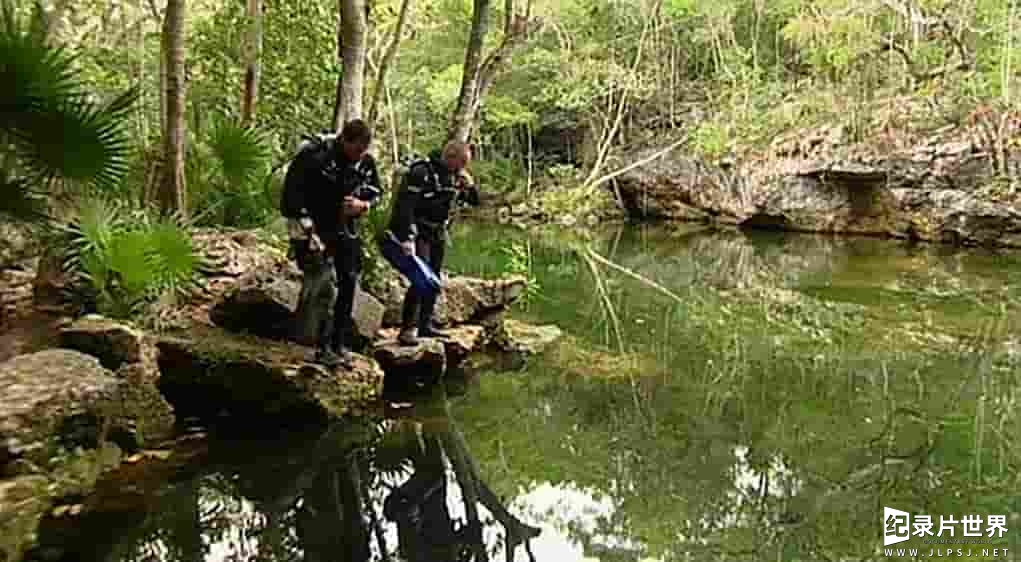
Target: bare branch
x,y
388,58
641,162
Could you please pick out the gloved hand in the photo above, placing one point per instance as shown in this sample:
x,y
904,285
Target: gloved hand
x,y
315,244
408,247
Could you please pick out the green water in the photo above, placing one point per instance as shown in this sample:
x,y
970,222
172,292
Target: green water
x,y
763,402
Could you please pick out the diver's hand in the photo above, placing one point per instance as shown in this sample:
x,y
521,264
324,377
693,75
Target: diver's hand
x,y
408,247
315,244
354,207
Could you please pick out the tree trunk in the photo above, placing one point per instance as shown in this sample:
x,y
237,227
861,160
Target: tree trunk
x,y
463,118
253,67
172,189
163,80
352,43
388,58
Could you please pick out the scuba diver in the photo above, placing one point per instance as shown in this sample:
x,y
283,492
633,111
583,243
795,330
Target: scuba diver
x,y
428,191
330,184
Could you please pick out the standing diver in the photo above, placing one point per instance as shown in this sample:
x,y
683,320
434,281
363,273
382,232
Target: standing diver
x,y
421,215
328,186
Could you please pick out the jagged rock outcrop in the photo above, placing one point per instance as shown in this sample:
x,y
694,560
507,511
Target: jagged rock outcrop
x,y
429,354
17,272
64,420
526,339
113,343
131,355
933,191
208,371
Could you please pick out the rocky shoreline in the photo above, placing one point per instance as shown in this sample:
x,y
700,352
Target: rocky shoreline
x,y
77,407
944,188
936,189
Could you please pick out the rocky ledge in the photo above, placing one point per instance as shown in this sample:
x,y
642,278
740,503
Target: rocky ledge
x,y
64,420
262,303
209,372
939,189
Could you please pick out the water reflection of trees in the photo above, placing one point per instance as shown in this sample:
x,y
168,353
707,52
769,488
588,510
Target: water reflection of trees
x,y
405,488
391,499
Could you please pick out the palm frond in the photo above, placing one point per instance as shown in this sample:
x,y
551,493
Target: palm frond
x,y
34,75
19,201
46,116
172,259
242,153
94,225
92,146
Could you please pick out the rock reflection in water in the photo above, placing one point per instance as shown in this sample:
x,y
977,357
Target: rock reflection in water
x,y
404,488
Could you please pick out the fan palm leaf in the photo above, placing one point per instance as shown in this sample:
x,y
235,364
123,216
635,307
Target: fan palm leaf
x,y
241,152
33,74
78,140
172,259
49,126
19,200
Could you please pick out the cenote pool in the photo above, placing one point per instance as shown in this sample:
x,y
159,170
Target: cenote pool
x,y
717,396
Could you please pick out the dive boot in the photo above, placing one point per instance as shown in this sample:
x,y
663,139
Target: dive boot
x,y
408,337
431,331
345,358
327,358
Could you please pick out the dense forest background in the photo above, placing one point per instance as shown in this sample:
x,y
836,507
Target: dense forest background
x,y
195,107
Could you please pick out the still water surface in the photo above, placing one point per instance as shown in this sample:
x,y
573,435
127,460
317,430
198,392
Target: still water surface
x,y
729,397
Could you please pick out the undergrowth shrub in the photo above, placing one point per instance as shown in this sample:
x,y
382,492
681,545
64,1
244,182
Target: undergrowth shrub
x,y
121,259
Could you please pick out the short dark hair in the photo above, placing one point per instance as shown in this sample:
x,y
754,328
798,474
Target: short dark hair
x,y
356,131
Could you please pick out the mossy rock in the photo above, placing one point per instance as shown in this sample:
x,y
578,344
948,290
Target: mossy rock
x,y
208,371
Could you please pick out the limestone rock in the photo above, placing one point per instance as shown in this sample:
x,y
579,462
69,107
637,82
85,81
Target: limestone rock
x,y
16,291
367,314
207,370
142,404
527,339
461,341
64,421
463,300
132,356
233,253
684,188
263,303
227,256
428,354
113,343
52,398
927,193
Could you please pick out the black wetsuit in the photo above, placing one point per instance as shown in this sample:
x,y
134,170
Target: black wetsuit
x,y
316,184
422,211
